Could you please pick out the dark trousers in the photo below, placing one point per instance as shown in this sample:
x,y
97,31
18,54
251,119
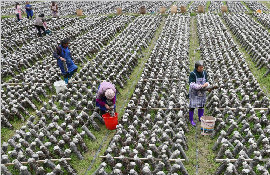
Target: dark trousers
x,y
69,75
192,109
29,17
39,28
29,14
18,16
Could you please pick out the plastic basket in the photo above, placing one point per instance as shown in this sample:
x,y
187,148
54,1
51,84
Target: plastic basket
x,y
59,86
110,121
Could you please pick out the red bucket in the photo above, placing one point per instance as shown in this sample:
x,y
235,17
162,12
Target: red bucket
x,y
110,122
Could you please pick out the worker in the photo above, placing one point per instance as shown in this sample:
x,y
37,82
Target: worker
x,y
197,93
64,60
39,24
28,10
54,9
106,97
18,11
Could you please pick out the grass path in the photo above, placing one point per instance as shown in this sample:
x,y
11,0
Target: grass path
x,y
206,164
122,101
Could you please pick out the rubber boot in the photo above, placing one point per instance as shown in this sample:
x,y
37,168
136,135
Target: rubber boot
x,y
200,113
191,113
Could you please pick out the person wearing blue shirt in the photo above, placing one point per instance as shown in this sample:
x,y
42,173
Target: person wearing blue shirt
x,y
63,56
29,11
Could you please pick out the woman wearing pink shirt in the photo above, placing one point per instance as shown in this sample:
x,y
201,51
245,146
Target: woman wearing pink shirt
x,y
18,11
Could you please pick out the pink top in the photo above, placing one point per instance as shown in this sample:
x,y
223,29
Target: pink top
x,y
18,9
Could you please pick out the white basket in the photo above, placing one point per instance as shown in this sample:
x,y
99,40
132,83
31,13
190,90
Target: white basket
x,y
59,86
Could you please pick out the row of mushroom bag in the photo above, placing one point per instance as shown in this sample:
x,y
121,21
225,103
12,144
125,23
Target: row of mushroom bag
x,y
242,133
38,79
255,5
253,37
236,7
215,6
157,135
61,126
28,50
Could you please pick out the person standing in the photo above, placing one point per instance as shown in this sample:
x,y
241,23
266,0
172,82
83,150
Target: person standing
x,y
39,24
54,9
18,11
64,60
28,10
197,91
106,97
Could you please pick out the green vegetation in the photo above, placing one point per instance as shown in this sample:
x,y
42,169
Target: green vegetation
x,y
17,123
8,16
111,15
193,14
207,5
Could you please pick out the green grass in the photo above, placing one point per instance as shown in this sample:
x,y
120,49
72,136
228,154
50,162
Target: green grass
x,y
126,93
14,16
207,6
7,16
6,78
111,15
206,157
189,4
